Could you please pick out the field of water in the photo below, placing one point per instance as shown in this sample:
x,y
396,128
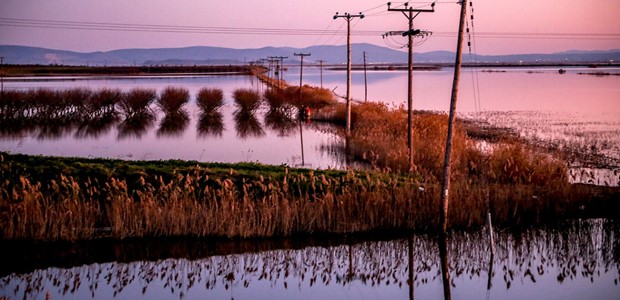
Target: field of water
x,y
572,111
576,260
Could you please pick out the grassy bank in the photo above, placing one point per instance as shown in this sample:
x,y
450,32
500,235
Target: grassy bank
x,y
47,198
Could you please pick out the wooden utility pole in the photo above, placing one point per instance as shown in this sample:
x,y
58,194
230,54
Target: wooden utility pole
x,y
321,66
365,80
279,70
301,72
348,17
455,89
408,12
301,75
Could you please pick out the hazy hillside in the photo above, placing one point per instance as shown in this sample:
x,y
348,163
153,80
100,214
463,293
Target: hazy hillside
x,y
202,55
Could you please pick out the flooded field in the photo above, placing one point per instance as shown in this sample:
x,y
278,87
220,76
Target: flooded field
x,y
572,112
576,260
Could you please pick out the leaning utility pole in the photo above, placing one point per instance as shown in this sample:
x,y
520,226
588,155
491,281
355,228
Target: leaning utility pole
x,y
455,88
321,64
408,12
348,18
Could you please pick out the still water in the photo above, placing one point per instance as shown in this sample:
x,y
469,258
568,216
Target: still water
x,y
577,260
567,111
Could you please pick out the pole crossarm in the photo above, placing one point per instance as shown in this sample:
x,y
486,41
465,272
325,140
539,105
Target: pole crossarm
x,y
411,9
348,16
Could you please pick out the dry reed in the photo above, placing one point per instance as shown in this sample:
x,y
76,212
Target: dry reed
x,y
210,99
171,99
199,203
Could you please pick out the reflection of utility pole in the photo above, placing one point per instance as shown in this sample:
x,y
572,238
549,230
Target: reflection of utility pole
x,y
408,12
365,80
411,277
455,88
321,64
348,18
2,74
301,76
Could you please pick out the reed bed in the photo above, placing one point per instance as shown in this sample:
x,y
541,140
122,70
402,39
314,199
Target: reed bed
x,y
210,99
311,96
199,202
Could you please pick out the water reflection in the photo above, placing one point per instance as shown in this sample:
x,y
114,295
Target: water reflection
x,y
173,124
579,260
97,126
136,125
281,120
210,124
247,124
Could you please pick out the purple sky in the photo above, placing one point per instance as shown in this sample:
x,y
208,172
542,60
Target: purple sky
x,y
501,26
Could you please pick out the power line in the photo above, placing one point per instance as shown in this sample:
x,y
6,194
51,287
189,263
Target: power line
x,y
159,28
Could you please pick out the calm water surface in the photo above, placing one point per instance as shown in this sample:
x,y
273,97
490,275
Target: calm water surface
x,y
579,111
577,260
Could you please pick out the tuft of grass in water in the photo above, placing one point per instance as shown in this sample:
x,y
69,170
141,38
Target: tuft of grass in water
x,y
210,99
247,100
171,99
136,101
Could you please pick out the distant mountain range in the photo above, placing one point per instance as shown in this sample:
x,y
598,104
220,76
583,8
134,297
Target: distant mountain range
x,y
204,55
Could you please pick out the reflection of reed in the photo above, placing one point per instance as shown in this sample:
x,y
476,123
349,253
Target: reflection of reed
x,y
135,126
173,124
281,121
210,124
56,129
95,127
584,250
247,125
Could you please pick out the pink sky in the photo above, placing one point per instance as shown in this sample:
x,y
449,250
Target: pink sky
x,y
540,26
